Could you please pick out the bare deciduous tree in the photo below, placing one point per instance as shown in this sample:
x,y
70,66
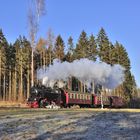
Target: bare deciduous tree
x,y
36,10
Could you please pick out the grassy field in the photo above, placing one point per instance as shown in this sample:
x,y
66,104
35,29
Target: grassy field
x,y
24,110
68,124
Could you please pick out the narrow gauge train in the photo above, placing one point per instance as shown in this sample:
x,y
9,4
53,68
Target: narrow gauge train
x,y
44,96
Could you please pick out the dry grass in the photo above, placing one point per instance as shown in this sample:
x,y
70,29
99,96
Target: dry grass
x,y
107,124
104,110
12,104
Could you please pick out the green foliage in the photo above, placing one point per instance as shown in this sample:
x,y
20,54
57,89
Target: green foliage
x,y
81,46
69,56
91,51
122,56
3,65
3,50
3,41
104,47
59,48
15,60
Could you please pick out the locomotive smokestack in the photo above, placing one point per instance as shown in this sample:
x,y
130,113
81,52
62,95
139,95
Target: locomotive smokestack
x,y
84,70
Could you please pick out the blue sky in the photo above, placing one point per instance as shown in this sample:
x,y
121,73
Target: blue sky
x,y
119,18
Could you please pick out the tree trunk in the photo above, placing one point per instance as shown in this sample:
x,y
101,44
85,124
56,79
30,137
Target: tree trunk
x,y
4,93
0,78
32,67
12,86
10,78
28,82
20,99
15,86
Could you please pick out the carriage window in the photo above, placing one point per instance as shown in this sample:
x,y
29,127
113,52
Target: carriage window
x,y
72,96
79,96
90,97
83,96
99,98
75,96
75,84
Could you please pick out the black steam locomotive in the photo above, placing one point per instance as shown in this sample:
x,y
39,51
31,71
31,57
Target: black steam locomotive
x,y
41,96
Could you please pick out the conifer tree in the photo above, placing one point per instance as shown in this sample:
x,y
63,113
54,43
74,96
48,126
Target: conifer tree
x,y
22,57
19,68
122,58
59,48
3,46
81,46
69,55
104,48
26,66
91,51
10,63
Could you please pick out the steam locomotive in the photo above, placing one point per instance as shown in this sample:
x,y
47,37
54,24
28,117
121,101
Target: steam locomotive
x,y
41,96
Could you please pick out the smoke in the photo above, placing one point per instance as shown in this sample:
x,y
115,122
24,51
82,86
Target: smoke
x,y
84,70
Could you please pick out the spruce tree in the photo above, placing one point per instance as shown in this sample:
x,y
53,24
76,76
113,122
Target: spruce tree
x,y
3,66
59,48
10,63
26,66
81,46
22,66
91,51
122,58
69,55
104,48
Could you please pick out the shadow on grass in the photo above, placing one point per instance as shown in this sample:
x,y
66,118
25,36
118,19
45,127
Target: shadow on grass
x,y
96,126
102,126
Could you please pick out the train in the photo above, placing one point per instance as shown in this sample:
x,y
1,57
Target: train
x,y
44,97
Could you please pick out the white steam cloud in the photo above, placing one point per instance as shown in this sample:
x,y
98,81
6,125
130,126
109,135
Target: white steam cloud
x,y
84,70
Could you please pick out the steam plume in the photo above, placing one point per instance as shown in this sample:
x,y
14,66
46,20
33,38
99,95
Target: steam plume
x,y
84,70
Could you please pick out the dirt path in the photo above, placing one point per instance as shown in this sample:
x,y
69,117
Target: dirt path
x,y
88,124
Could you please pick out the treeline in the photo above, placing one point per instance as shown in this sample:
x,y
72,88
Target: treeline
x,y
15,61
